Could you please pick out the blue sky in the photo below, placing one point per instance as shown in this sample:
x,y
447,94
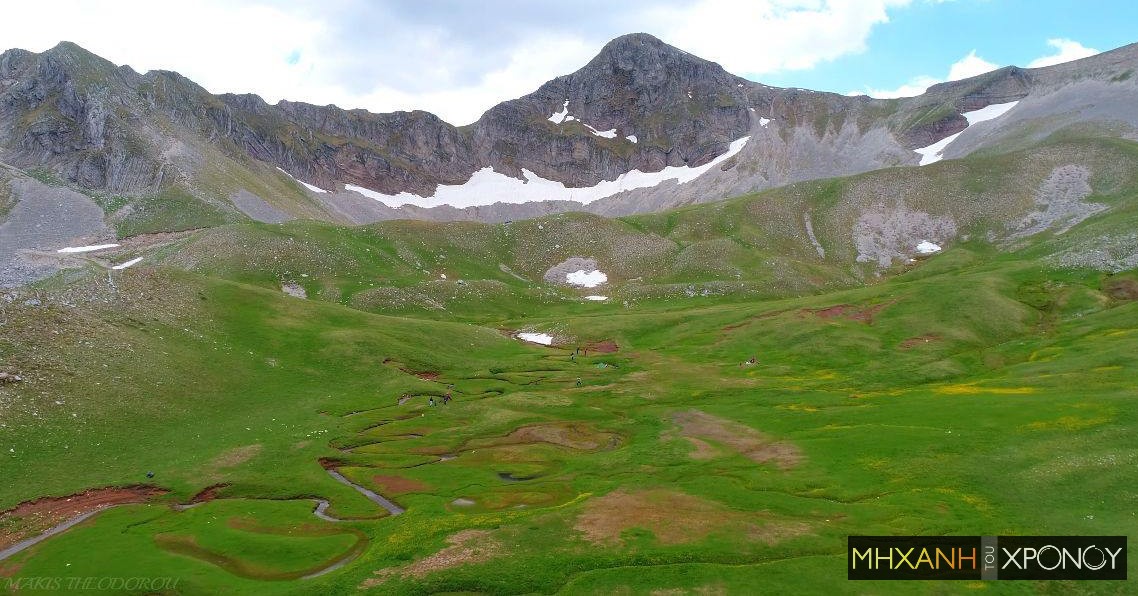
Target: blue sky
x,y
457,58
925,38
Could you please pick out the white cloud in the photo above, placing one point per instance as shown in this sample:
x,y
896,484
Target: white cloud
x,y
1066,50
456,60
755,37
968,66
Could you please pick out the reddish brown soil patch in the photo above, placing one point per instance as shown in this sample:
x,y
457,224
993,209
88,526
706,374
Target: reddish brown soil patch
x,y
208,493
919,340
40,514
574,435
1122,289
702,449
466,547
674,518
849,311
607,346
330,464
739,438
397,485
426,375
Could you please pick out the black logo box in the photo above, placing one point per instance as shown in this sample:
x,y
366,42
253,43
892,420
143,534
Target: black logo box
x,y
986,557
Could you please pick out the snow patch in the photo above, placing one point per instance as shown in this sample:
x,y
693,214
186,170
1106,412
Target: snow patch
x,y
596,298
91,248
544,339
122,266
559,117
934,153
305,184
631,138
928,248
988,113
764,121
586,279
608,134
487,187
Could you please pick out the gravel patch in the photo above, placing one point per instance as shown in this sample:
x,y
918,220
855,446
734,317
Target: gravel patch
x,y
883,234
256,208
43,220
1059,203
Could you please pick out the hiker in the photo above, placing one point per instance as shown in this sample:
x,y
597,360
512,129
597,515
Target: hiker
x,y
578,381
446,398
150,474
432,402
751,361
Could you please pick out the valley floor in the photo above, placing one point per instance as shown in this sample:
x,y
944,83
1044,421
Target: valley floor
x,y
262,443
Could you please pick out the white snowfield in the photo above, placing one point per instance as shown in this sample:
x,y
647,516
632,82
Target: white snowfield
x,y
559,117
596,298
91,248
631,138
928,248
306,185
122,266
586,279
764,121
537,338
487,187
934,153
608,134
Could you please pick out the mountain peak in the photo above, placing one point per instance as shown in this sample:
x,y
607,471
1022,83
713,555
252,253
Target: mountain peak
x,y
639,50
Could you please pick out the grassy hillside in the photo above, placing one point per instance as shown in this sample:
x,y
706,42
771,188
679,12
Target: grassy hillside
x,y
986,389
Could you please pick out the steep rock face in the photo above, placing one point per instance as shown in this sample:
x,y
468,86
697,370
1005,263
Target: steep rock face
x,y
68,109
640,104
680,109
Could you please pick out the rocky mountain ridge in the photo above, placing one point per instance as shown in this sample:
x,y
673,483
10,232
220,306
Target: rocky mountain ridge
x,y
639,105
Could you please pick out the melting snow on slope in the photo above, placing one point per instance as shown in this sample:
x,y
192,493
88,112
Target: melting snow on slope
x,y
631,138
988,113
91,248
563,116
933,153
596,298
559,117
544,339
487,187
764,121
586,279
122,266
608,134
306,185
927,248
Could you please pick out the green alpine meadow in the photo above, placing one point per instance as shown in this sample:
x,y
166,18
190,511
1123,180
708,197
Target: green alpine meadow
x,y
232,363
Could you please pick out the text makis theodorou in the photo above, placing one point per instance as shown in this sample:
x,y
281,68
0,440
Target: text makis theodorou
x,y
987,557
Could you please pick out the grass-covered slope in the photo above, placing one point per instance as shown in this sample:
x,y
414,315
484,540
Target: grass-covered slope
x,y
726,442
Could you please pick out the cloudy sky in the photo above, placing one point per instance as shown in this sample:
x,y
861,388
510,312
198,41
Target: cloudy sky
x,y
457,58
